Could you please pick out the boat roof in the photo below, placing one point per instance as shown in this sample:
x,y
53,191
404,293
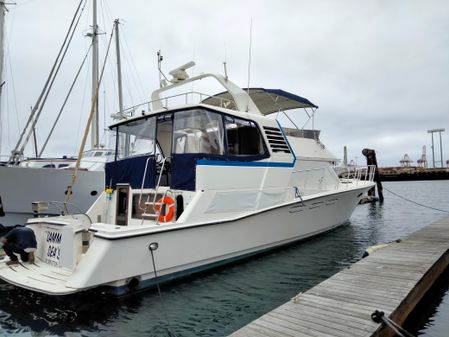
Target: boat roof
x,y
267,100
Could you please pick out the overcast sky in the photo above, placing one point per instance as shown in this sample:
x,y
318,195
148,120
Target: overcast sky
x,y
378,70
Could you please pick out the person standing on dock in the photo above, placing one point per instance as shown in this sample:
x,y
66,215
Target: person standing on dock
x,y
19,240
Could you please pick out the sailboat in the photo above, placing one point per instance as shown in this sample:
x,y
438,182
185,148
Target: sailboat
x,y
192,187
24,181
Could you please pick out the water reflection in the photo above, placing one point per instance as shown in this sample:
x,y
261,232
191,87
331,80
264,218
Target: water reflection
x,y
56,315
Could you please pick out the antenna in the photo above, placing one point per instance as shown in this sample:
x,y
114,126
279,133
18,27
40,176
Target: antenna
x,y
249,54
225,70
160,58
225,62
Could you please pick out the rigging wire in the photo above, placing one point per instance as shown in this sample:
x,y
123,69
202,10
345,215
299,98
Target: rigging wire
x,y
82,105
7,95
249,52
131,64
130,73
32,119
54,78
65,102
414,202
13,87
88,124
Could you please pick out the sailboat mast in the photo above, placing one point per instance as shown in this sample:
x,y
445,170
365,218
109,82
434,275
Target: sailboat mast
x,y
2,57
126,139
119,65
95,64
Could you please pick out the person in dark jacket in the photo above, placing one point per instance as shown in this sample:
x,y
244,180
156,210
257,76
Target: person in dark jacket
x,y
19,240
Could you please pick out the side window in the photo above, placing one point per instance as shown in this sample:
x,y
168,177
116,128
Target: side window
x,y
198,131
244,138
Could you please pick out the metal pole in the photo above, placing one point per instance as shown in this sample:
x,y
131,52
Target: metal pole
x,y
94,127
433,152
2,55
125,141
119,66
433,145
36,152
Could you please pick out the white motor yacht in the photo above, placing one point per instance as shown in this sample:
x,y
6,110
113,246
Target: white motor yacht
x,y
193,187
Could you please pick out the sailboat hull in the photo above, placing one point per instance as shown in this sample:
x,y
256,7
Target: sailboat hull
x,y
20,186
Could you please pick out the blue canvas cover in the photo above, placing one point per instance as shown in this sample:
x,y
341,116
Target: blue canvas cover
x,y
267,100
130,171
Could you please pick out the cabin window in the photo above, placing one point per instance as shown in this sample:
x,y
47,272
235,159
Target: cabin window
x,y
136,138
198,131
244,138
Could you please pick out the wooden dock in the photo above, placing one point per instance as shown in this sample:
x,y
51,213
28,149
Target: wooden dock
x,y
393,280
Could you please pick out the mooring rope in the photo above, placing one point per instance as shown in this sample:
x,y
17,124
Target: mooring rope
x,y
152,247
416,203
379,317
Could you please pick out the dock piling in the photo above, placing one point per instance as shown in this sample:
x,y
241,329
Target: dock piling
x,y
372,160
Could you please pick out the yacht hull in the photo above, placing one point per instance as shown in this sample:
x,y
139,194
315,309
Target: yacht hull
x,y
119,256
184,250
20,186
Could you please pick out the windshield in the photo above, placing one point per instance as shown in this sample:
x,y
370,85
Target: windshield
x,y
136,138
189,132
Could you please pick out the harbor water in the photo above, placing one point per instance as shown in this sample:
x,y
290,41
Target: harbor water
x,y
219,302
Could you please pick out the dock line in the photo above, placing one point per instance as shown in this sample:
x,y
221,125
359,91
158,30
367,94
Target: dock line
x,y
416,203
152,248
379,317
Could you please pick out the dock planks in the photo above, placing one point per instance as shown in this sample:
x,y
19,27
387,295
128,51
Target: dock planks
x,y
393,280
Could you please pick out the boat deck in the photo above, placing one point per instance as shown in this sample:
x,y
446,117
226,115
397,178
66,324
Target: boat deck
x,y
393,280
37,276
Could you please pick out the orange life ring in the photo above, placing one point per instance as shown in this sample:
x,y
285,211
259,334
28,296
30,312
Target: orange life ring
x,y
169,209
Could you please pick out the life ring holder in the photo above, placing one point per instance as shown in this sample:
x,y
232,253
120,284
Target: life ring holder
x,y
169,204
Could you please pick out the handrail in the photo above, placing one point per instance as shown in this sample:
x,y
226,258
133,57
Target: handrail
x,y
143,182
359,173
224,102
159,181
156,213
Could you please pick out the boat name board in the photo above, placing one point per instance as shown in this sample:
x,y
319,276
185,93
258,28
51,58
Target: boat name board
x,y
52,250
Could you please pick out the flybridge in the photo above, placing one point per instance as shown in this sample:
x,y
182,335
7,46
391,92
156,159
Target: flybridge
x,y
259,101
